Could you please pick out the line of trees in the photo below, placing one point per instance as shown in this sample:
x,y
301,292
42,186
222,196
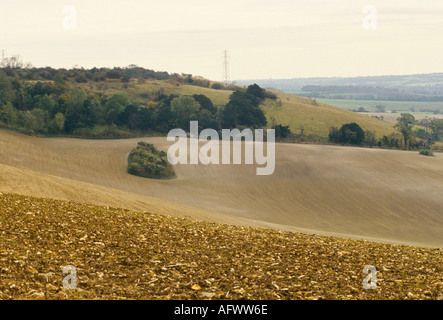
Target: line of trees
x,y
15,67
366,93
411,135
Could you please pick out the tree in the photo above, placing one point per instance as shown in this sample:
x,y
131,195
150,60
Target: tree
x,y
281,131
217,86
189,79
334,135
145,118
243,110
58,78
6,93
9,115
129,117
163,117
36,120
370,138
185,109
436,127
74,101
14,62
256,91
206,120
60,121
242,113
46,103
114,107
230,115
350,133
205,103
404,125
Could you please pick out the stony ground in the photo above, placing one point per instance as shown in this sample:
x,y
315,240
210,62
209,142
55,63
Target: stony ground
x,y
120,254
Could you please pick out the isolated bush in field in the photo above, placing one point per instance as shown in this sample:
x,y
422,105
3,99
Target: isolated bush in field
x,y
146,161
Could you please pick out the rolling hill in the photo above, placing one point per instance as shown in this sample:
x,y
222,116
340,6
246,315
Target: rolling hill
x,y
295,111
383,195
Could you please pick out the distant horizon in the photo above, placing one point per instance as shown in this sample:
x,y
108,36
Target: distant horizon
x,y
344,77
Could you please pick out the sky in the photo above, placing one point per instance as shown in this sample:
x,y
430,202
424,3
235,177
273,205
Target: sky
x,y
264,39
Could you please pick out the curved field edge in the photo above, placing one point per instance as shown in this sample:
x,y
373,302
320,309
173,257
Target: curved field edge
x,y
121,254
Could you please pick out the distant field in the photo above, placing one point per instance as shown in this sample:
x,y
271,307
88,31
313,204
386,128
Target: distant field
x,y
369,105
389,116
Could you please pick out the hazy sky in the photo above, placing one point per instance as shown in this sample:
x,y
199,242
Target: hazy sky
x,y
265,39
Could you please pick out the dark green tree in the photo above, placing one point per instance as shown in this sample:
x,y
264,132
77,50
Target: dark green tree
x,y
351,133
205,103
404,124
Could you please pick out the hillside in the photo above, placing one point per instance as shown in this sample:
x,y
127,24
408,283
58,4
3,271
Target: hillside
x,y
132,101
292,110
383,195
120,254
316,120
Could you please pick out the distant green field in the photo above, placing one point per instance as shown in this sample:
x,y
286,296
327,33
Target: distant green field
x,y
369,105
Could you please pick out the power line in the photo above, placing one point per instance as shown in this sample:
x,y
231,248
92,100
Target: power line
x,y
428,138
225,58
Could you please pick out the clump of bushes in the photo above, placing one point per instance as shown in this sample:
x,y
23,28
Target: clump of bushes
x,y
146,161
281,131
426,152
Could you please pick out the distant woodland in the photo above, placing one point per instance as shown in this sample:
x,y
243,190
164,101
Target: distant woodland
x,y
54,101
